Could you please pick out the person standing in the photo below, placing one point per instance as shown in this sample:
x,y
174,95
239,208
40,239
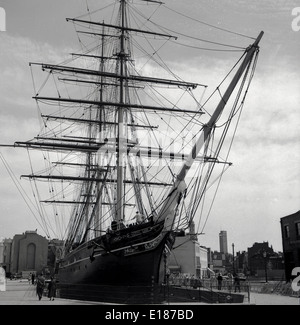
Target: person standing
x,y
40,285
139,218
237,284
220,279
32,278
52,288
29,278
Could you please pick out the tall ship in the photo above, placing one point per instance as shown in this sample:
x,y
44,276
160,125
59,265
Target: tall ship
x,y
128,148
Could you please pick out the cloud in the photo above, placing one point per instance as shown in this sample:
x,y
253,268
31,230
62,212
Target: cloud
x,y
18,121
17,108
264,183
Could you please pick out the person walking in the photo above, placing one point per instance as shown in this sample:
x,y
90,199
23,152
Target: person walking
x,y
52,289
220,279
40,285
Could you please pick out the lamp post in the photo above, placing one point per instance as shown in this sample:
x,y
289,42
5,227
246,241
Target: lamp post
x,y
233,267
265,255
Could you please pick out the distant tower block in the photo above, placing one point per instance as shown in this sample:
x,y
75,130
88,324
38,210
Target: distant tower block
x,y
223,242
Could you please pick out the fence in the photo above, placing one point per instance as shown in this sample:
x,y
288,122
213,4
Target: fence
x,y
175,290
276,287
212,283
209,290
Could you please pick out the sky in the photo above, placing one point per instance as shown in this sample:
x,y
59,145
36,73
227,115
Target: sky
x,y
264,183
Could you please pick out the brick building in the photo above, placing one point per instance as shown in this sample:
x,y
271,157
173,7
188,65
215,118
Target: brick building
x,y
264,263
29,253
290,230
5,255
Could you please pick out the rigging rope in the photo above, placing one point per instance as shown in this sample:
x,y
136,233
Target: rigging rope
x,y
191,37
205,48
20,189
206,24
233,113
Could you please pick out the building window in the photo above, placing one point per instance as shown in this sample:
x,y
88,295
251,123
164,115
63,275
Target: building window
x,y
287,231
298,229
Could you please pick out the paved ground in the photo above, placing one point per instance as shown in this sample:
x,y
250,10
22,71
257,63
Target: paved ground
x,y
269,299
22,293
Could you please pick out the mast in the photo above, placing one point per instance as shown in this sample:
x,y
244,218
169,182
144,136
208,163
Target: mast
x,y
120,162
98,213
167,212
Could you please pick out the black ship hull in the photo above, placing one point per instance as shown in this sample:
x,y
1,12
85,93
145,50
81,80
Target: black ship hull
x,y
126,272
